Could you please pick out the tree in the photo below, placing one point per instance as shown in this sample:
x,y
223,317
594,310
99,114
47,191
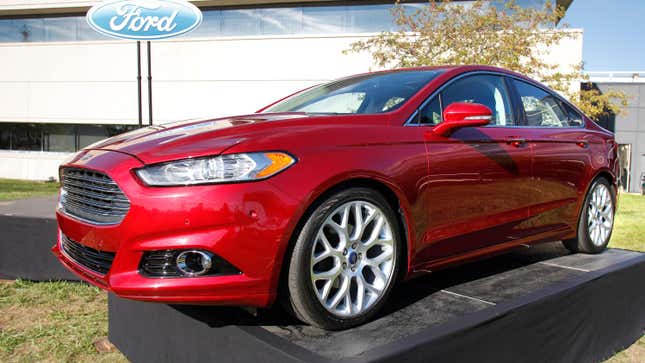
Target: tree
x,y
503,35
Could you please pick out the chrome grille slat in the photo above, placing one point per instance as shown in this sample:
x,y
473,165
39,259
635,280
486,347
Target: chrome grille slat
x,y
92,197
92,210
96,203
95,187
95,260
91,179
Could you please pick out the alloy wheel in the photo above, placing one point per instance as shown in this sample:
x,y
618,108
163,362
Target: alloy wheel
x,y
352,259
600,215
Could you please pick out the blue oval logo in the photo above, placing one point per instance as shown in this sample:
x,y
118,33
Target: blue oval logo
x,y
144,19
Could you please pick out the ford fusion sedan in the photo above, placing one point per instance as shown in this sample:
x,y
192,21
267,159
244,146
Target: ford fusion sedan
x,y
326,199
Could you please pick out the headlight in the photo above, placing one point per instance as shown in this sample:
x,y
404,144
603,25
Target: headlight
x,y
216,169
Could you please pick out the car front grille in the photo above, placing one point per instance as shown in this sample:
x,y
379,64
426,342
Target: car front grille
x,y
95,260
92,196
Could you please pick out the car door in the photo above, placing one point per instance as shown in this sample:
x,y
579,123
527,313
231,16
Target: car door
x,y
477,190
561,158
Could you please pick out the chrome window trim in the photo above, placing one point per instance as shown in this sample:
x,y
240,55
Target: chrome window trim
x,y
409,120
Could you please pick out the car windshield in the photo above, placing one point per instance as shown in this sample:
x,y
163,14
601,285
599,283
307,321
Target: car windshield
x,y
363,94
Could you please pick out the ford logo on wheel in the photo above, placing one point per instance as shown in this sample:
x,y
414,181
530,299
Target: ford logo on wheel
x,y
144,19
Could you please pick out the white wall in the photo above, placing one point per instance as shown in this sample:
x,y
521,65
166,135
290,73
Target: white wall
x,y
33,165
217,77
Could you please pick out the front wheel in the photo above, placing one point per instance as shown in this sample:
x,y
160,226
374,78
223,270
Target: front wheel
x,y
345,260
596,221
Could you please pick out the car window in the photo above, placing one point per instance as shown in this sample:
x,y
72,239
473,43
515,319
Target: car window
x,y
574,117
542,109
349,102
431,113
392,103
488,90
362,94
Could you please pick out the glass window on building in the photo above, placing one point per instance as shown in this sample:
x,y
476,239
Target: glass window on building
x,y
278,21
55,137
60,138
240,22
5,137
370,19
60,29
324,20
8,31
211,24
27,137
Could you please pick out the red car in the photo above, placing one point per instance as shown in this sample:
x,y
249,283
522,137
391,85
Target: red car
x,y
327,198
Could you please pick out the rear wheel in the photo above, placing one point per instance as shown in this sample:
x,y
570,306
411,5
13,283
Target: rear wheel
x,y
596,221
345,260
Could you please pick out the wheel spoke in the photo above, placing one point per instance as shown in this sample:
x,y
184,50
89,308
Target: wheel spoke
x,y
357,210
360,292
341,293
326,275
372,288
376,232
322,256
385,255
324,292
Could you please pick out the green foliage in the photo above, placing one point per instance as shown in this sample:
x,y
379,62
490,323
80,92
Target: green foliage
x,y
511,37
18,189
629,231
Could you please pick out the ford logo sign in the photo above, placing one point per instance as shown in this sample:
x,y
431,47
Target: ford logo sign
x,y
144,19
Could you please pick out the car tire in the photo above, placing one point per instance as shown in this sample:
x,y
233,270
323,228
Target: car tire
x,y
332,278
596,220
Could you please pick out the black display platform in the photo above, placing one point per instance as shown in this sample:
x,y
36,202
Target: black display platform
x,y
27,233
536,305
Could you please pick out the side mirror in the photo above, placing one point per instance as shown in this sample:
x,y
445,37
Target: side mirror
x,y
462,114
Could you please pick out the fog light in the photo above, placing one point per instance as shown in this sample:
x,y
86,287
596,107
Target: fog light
x,y
194,263
184,263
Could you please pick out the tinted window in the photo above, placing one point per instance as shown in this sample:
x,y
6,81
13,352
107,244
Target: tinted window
x,y
542,109
487,90
364,94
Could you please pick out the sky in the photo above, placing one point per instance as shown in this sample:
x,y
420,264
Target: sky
x,y
614,33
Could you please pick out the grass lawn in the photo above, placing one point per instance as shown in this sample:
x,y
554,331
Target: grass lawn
x,y
19,189
59,321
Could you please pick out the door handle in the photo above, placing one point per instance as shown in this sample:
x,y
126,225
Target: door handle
x,y
516,141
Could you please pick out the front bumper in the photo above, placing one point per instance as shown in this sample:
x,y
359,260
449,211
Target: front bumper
x,y
246,224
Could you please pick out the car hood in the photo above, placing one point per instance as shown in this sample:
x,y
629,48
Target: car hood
x,y
185,139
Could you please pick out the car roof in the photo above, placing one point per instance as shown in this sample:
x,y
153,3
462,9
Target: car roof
x,y
456,69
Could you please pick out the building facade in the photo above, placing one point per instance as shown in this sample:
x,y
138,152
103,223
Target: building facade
x,y
629,127
64,86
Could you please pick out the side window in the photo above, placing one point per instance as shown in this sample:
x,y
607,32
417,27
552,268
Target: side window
x,y
431,113
488,90
542,109
575,120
